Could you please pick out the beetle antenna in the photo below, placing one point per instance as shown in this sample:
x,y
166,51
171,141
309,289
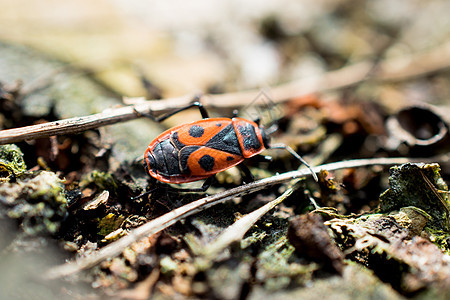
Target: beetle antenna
x,y
295,154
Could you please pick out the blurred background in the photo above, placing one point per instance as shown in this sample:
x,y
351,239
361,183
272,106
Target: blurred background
x,y
183,47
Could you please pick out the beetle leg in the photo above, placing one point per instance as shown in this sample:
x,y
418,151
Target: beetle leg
x,y
200,107
248,176
295,154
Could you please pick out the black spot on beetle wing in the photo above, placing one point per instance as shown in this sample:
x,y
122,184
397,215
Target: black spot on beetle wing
x,y
196,131
207,162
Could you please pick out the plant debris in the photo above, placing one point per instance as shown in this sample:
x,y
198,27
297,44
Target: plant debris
x,y
406,245
310,238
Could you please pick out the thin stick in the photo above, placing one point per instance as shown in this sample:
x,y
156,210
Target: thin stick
x,y
80,124
404,67
164,221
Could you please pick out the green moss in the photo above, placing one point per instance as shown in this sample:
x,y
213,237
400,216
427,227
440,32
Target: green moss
x,y
38,203
12,164
109,223
102,180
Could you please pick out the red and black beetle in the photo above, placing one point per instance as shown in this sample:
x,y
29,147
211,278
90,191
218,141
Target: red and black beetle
x,y
200,149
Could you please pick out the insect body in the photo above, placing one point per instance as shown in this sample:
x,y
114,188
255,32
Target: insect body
x,y
200,149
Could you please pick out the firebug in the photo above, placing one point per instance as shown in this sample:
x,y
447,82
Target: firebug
x,y
200,149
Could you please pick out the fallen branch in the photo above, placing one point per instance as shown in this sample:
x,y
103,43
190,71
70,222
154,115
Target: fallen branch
x,y
405,67
170,218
